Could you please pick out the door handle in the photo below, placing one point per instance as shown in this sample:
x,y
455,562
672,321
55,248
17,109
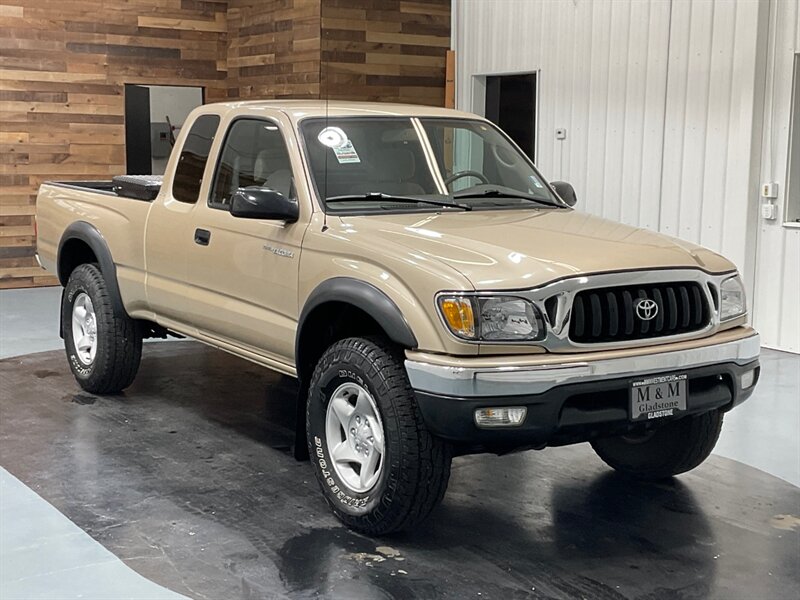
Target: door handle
x,y
202,236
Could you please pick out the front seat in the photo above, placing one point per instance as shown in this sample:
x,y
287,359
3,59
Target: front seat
x,y
273,172
399,169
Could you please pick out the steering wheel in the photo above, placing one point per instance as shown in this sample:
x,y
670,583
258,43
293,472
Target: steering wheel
x,y
461,174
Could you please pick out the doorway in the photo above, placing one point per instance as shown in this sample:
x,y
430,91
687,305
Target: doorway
x,y
511,105
154,114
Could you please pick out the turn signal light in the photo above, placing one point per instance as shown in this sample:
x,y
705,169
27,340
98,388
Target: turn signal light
x,y
457,311
509,416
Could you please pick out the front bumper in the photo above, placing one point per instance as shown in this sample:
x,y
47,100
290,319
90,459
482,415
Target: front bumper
x,y
574,401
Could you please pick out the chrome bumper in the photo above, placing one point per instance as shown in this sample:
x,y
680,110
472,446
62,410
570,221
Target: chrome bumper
x,y
535,379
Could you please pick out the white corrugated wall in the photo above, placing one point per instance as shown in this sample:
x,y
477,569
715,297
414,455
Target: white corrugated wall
x,y
662,103
777,298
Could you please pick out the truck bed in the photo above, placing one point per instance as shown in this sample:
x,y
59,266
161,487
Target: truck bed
x,y
135,187
120,221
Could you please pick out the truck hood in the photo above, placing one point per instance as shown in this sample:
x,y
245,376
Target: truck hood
x,y
513,249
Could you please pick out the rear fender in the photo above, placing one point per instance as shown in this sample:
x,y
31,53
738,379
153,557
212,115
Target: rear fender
x,y
88,234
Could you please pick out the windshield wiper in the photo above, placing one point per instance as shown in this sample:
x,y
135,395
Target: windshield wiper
x,y
499,193
394,198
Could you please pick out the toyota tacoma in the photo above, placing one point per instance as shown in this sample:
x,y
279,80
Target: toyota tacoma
x,y
433,294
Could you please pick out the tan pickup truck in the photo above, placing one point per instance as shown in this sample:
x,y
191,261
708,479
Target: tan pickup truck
x,y
434,295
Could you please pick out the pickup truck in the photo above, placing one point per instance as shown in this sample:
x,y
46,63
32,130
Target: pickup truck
x,y
433,294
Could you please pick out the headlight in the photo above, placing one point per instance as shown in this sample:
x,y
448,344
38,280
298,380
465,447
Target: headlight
x,y
492,318
732,302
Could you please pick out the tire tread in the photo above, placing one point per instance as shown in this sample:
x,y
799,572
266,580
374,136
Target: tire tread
x,y
116,368
425,459
677,448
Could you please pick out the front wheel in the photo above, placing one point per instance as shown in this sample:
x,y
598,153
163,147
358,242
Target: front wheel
x,y
103,349
379,468
673,448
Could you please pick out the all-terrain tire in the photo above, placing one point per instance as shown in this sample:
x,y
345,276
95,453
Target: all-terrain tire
x,y
416,464
673,448
119,338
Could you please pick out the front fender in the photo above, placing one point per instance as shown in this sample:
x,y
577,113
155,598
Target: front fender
x,y
368,298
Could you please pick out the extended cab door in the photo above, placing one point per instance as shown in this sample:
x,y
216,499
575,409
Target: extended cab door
x,y
244,272
169,232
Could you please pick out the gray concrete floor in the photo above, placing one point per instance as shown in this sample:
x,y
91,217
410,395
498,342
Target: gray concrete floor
x,y
29,321
44,555
763,433
187,478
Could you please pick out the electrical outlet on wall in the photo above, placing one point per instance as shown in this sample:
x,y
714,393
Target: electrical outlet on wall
x,y
769,211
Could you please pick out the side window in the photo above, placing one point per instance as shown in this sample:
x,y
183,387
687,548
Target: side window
x,y
254,154
194,155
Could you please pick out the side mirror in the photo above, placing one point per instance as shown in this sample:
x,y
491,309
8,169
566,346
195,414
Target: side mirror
x,y
565,191
263,203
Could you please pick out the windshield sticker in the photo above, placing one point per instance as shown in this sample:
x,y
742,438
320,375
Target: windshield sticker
x,y
346,153
536,182
332,137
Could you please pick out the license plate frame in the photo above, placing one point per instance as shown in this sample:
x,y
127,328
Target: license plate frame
x,y
658,397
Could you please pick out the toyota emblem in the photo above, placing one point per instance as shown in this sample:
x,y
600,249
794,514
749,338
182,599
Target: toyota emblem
x,y
646,309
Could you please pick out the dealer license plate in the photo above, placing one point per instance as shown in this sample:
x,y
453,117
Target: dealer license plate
x,y
657,397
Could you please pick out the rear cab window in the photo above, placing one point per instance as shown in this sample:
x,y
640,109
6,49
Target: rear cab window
x,y
194,156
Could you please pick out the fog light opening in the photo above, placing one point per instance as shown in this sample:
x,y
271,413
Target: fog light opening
x,y
507,416
748,378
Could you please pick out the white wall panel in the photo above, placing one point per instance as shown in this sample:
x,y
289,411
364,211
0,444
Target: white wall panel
x,y
709,189
602,74
777,300
662,102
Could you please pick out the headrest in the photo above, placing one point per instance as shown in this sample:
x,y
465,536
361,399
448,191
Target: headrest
x,y
402,163
267,162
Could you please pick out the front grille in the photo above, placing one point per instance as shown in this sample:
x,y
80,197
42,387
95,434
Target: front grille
x,y
609,314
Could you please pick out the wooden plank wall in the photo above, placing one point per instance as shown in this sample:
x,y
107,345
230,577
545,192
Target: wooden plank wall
x,y
63,66
273,49
385,50
64,63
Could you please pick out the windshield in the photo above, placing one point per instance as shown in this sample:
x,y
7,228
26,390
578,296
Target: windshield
x,y
374,164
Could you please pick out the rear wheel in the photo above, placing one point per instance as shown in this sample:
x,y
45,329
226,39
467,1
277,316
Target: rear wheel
x,y
103,350
379,468
673,448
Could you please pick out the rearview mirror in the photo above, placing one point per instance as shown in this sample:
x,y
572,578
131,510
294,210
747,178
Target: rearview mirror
x,y
263,203
565,191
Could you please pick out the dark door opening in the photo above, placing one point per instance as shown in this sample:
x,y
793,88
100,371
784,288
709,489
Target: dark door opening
x,y
154,114
137,130
511,105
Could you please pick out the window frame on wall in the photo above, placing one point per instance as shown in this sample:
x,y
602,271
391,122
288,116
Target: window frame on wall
x,y
477,100
141,137
791,209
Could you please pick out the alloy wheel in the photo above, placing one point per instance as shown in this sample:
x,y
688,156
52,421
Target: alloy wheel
x,y
84,329
355,437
